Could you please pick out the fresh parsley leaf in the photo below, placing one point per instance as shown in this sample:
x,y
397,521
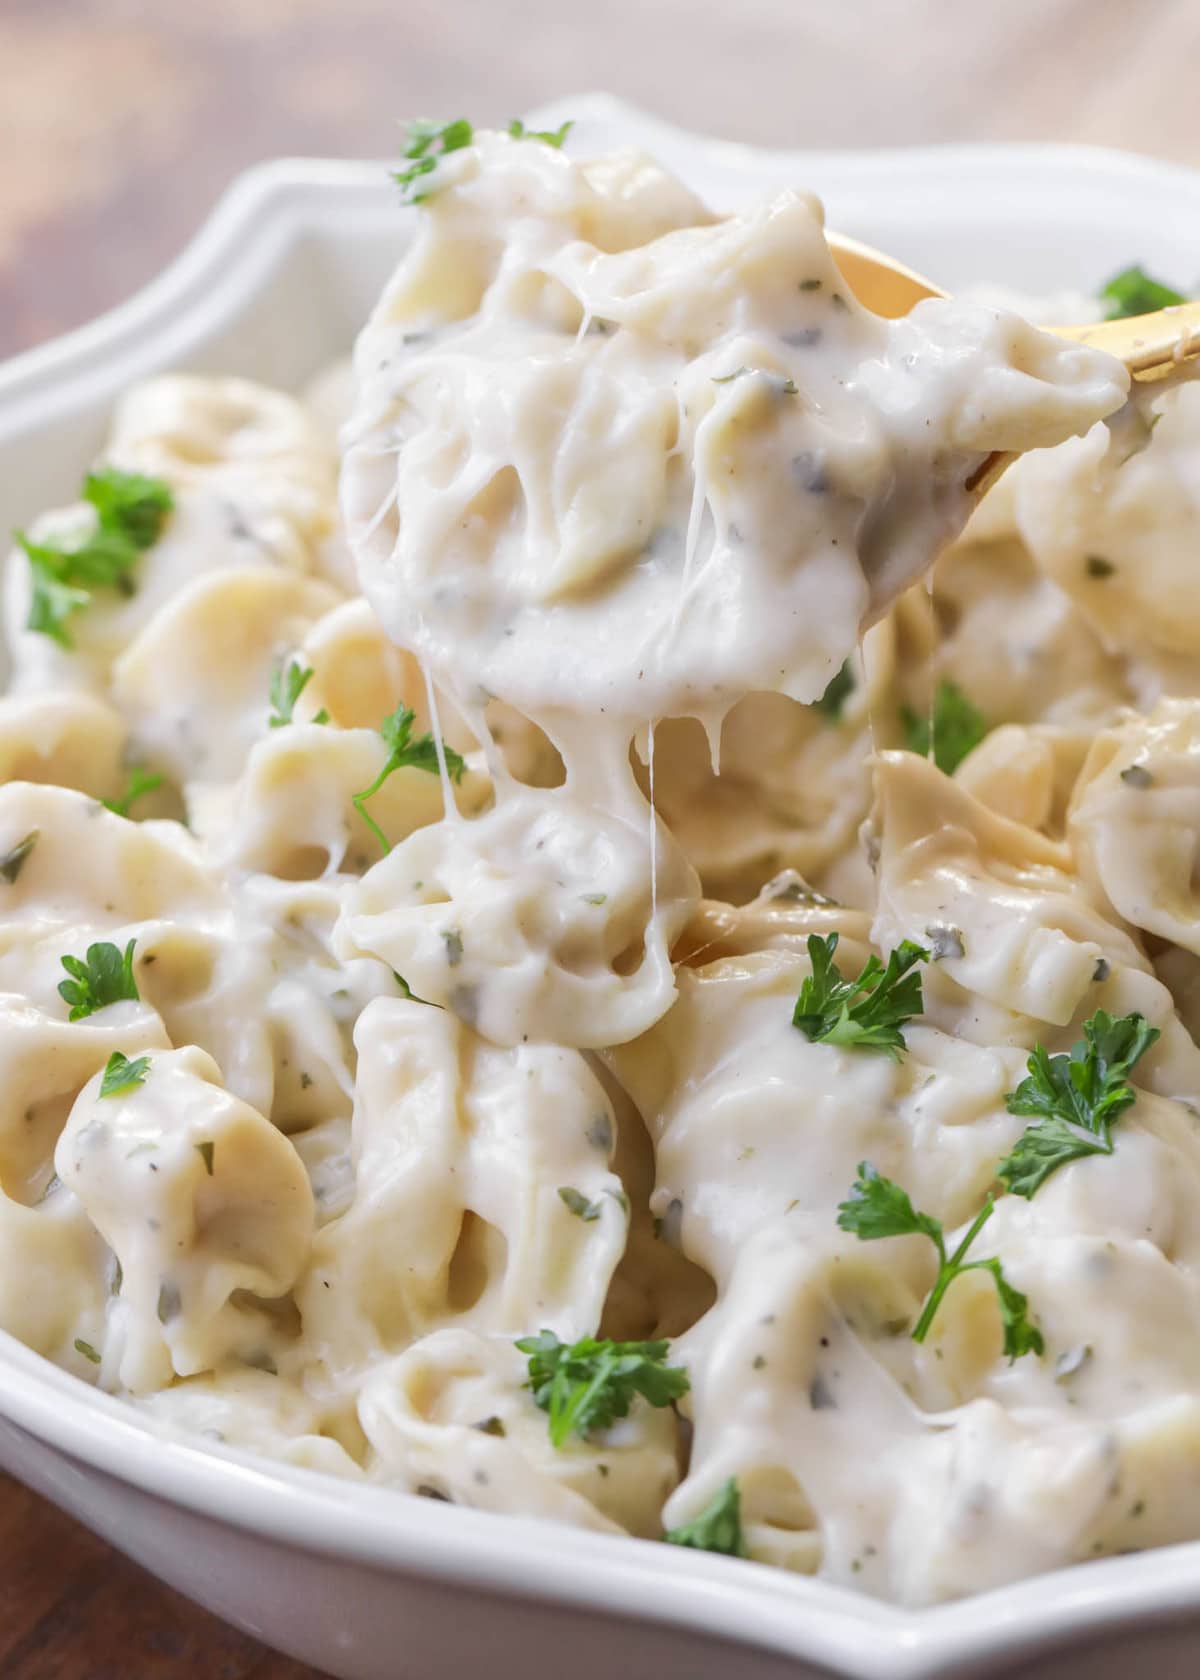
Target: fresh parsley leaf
x,y
421,754
287,685
121,1075
551,136
862,1014
51,602
106,976
718,1528
425,144
578,1203
13,861
1076,1099
141,782
1021,1334
130,504
130,510
1040,1151
1134,292
588,1385
956,728
877,1207
841,686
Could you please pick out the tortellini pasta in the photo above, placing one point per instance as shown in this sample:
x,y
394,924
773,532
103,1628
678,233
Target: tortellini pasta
x,y
451,1023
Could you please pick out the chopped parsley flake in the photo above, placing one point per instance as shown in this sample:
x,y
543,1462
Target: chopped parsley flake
x,y
121,1075
87,1350
426,143
862,1014
104,977
12,861
945,942
141,782
1134,292
548,136
404,751
718,1528
207,1151
130,512
956,727
589,1385
406,991
288,683
841,687
1076,1099
578,1203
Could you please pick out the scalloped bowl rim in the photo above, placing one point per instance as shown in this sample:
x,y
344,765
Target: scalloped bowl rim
x,y
749,1604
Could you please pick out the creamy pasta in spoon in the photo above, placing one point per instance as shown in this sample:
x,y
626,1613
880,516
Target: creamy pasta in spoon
x,y
655,1013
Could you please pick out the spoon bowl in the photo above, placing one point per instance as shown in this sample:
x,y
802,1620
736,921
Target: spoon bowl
x,y
1151,346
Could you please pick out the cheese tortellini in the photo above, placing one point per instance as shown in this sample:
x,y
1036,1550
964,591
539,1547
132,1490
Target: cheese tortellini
x,y
426,1052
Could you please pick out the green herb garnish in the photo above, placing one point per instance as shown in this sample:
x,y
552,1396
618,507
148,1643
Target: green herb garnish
x,y
120,1074
841,687
957,726
578,1203
877,1207
104,977
718,1528
421,754
287,685
426,143
1077,1099
129,503
862,1014
588,1385
87,1350
130,513
1134,292
140,783
13,861
207,1153
549,136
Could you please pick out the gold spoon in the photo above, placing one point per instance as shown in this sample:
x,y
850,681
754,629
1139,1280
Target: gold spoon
x,y
1151,346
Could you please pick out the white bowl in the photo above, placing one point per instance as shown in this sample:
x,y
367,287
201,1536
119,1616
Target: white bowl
x,y
377,1586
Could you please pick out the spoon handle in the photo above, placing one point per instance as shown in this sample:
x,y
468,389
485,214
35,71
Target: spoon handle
x,y
1149,345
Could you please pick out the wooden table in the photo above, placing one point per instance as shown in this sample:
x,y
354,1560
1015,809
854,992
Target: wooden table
x,y
121,120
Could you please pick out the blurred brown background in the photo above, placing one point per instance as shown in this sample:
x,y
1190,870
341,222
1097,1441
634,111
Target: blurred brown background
x,y
122,120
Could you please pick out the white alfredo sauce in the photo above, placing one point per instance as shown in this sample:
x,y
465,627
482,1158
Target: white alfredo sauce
x,y
625,488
